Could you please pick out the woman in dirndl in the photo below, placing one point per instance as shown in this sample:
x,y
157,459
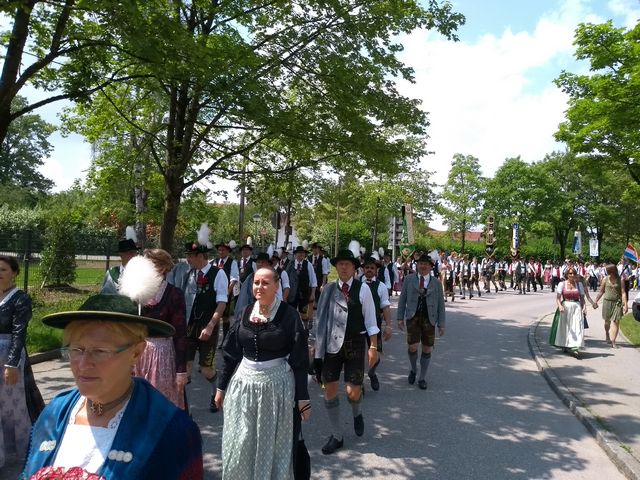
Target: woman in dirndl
x,y
20,400
567,330
164,360
267,395
614,304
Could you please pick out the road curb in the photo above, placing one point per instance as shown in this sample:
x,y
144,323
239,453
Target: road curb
x,y
608,441
44,356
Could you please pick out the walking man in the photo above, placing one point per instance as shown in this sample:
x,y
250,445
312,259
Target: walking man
x,y
421,306
346,316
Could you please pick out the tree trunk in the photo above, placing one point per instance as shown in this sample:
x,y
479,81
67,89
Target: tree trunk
x,y
172,197
464,233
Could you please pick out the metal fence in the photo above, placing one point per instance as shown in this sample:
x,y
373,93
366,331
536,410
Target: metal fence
x,y
93,255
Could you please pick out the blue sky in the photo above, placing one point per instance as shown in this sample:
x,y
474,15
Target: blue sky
x,y
490,95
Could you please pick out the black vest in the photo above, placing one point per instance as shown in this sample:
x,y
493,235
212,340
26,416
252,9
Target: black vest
x,y
204,303
317,267
246,271
392,275
374,292
303,280
355,319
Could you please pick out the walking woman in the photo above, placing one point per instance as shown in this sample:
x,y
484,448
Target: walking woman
x,y
614,304
567,330
267,395
20,400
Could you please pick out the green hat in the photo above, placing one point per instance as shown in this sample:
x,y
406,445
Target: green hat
x,y
110,308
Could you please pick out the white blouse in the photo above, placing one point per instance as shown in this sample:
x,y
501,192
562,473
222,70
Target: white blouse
x,y
87,446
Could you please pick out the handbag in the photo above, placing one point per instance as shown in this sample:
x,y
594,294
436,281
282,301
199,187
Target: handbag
x,y
301,458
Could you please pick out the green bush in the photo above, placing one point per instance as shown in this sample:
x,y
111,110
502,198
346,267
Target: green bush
x,y
58,256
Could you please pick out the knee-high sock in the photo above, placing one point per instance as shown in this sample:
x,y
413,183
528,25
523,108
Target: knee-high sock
x,y
356,406
372,370
333,411
424,365
413,359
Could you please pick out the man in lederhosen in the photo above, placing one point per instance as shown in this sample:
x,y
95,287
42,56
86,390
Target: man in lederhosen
x,y
226,263
346,314
421,307
380,295
127,249
320,268
301,274
205,291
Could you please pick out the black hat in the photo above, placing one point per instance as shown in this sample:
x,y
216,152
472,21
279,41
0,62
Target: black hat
x,y
425,258
110,308
368,260
346,255
195,247
299,248
127,245
246,245
225,245
263,256
316,245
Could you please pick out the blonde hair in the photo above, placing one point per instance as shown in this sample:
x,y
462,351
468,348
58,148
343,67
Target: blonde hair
x,y
160,258
132,332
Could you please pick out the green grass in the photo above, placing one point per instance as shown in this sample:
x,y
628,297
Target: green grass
x,y
631,329
41,338
84,276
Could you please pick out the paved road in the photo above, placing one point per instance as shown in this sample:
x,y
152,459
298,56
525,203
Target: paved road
x,y
488,413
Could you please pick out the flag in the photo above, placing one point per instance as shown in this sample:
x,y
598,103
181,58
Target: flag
x,y
631,253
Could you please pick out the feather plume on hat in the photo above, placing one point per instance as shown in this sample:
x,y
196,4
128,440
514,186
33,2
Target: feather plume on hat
x,y
232,244
130,234
140,281
354,246
381,252
203,235
270,250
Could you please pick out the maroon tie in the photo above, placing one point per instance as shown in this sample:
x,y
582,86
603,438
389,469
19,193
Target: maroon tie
x,y
221,263
300,267
345,291
200,280
421,281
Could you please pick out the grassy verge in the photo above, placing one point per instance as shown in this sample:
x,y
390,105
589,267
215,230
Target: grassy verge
x,y
41,338
631,329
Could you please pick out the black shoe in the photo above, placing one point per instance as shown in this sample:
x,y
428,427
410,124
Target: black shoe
x,y
375,383
358,425
470,297
332,445
212,405
412,377
422,384
479,294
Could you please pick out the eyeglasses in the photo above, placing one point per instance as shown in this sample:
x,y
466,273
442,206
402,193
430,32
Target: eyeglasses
x,y
96,355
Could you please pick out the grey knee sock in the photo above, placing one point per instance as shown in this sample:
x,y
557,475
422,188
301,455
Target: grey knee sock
x,y
413,358
333,411
424,364
356,406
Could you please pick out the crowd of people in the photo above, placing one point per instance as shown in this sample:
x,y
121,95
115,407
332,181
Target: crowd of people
x,y
276,319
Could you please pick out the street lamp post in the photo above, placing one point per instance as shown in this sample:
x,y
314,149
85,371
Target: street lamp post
x,y
256,218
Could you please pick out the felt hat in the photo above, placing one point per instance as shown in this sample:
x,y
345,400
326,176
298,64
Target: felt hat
x,y
425,258
346,254
195,247
263,256
246,245
299,248
224,245
109,308
127,245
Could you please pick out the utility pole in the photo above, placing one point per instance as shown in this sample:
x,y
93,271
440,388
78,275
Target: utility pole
x,y
337,242
242,202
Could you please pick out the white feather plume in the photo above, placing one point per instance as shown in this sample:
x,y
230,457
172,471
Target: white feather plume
x,y
363,250
305,244
354,246
203,234
232,244
381,252
130,234
250,241
434,256
375,256
140,280
270,250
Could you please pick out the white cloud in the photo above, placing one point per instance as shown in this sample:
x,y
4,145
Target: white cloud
x,y
629,9
494,98
69,161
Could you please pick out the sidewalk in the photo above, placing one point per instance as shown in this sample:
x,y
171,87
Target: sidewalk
x,y
601,389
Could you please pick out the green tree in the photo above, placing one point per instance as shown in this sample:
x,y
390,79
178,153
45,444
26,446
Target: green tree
x,y
24,149
58,256
603,118
463,195
219,83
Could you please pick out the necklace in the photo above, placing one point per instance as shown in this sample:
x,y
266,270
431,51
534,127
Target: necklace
x,y
99,409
